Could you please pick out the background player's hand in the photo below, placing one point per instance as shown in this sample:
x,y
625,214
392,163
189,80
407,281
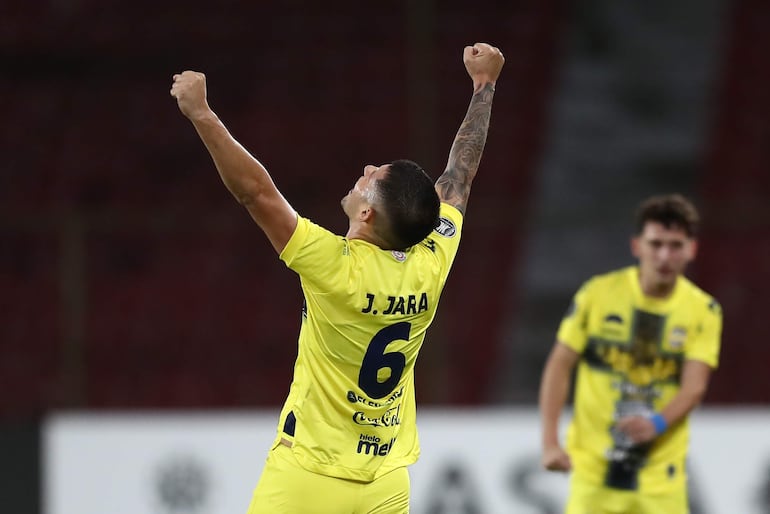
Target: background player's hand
x,y
638,428
483,63
556,459
189,89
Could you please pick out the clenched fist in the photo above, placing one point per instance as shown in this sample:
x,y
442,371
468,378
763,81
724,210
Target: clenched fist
x,y
189,89
483,63
555,459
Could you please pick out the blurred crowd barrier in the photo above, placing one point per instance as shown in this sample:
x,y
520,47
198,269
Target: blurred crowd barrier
x,y
482,461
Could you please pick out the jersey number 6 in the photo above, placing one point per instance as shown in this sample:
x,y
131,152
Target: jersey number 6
x,y
376,359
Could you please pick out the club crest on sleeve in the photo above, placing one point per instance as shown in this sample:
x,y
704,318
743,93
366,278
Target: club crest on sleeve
x,y
445,227
399,256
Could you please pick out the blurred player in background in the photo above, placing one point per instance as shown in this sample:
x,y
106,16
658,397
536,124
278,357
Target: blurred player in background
x,y
347,430
645,340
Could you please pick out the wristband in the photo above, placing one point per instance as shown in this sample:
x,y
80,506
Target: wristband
x,y
659,422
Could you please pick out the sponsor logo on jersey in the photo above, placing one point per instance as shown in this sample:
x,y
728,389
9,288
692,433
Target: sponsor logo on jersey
x,y
372,445
613,326
623,360
445,227
644,393
389,419
357,398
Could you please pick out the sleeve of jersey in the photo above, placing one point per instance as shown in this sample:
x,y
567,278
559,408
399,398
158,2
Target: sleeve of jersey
x,y
445,238
707,342
314,254
573,330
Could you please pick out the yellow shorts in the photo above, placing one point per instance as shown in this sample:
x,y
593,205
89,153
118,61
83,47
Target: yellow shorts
x,y
587,498
285,487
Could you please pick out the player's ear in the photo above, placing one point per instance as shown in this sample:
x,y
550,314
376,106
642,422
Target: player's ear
x,y
692,249
634,245
366,214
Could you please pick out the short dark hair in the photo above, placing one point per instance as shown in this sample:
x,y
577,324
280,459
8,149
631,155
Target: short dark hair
x,y
672,210
411,204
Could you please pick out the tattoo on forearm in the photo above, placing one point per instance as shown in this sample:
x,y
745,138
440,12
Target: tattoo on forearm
x,y
454,185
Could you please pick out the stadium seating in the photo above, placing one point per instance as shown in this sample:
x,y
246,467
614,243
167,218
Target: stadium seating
x,y
184,303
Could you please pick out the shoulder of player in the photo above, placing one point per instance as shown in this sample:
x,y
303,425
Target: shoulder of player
x,y
700,297
449,224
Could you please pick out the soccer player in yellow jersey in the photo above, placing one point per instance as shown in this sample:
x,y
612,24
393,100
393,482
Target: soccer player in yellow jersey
x,y
347,430
644,340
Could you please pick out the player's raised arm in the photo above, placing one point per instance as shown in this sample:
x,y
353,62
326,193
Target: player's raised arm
x,y
483,63
242,174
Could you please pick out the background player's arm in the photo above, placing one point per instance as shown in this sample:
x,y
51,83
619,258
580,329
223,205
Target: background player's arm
x,y
483,63
695,379
554,389
243,175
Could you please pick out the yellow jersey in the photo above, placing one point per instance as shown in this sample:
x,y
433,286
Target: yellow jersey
x,y
350,412
632,348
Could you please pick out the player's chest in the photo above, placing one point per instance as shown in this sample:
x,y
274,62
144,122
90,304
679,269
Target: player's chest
x,y
643,331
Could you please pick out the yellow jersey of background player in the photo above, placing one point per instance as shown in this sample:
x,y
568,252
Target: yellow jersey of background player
x,y
351,407
632,349
645,340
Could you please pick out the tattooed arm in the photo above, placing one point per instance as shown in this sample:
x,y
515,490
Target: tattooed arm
x,y
243,175
483,63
